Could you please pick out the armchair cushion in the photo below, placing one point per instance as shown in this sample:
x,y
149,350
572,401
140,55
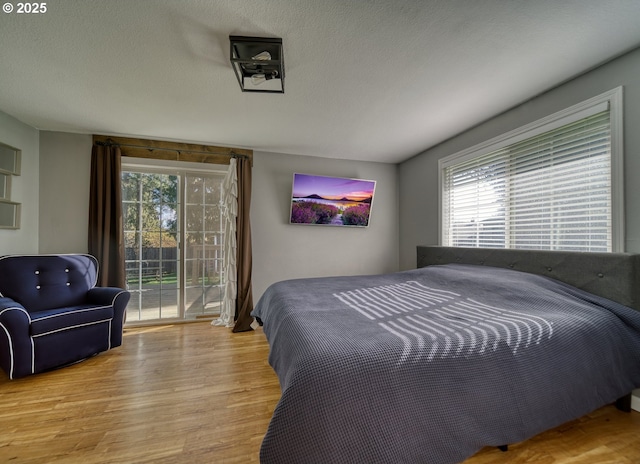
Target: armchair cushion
x,y
41,281
54,320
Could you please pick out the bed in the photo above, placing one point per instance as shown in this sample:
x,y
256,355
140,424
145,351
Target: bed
x,y
474,348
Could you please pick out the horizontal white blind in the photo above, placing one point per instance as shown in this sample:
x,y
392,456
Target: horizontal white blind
x,y
548,192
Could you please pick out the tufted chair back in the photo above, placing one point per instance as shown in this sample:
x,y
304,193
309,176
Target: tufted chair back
x,y
41,282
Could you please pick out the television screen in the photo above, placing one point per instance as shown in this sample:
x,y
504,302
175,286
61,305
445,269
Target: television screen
x,y
331,201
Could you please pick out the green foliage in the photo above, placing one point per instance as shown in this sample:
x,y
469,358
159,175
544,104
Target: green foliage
x,y
149,208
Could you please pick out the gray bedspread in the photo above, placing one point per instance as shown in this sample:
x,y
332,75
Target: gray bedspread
x,y
430,365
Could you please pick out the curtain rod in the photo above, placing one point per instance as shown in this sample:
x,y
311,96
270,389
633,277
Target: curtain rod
x,y
110,143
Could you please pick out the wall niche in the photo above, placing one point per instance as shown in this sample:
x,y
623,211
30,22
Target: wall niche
x,y
9,166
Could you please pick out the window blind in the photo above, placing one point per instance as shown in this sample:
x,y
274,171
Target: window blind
x,y
551,191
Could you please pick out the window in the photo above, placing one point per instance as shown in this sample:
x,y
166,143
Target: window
x,y
555,184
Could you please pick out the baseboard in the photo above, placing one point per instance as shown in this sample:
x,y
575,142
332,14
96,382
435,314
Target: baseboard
x,y
635,403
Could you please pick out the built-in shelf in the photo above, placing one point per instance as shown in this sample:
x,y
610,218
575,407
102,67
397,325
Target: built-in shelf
x,y
5,186
9,215
9,160
9,166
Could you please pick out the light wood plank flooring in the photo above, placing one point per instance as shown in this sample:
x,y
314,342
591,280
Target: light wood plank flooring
x,y
194,393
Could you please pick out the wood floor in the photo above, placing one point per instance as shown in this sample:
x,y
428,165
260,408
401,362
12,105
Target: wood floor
x,y
194,393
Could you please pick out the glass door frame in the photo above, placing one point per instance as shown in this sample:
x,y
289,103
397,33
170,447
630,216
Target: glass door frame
x,y
181,170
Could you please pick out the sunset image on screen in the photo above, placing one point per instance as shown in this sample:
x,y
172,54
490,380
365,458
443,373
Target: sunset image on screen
x,y
333,201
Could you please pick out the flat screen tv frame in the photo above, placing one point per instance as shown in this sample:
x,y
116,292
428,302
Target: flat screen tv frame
x,y
331,201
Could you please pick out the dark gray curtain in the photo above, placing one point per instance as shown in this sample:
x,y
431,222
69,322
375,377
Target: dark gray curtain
x,y
106,237
244,302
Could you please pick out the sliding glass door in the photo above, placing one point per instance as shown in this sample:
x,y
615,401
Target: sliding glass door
x,y
203,234
173,236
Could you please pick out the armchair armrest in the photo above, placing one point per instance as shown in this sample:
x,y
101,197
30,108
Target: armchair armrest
x,y
13,316
103,295
119,299
16,348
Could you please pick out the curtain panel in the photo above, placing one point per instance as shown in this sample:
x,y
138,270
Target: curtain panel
x,y
244,302
229,212
106,236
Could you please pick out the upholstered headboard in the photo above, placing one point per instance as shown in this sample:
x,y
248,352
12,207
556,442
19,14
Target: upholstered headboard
x,y
615,276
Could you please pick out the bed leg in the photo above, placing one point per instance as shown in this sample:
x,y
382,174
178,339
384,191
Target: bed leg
x,y
624,403
503,448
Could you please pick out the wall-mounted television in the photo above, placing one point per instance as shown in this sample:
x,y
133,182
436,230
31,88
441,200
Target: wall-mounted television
x,y
331,201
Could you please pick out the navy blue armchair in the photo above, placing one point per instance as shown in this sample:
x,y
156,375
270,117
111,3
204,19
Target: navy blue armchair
x,y
52,314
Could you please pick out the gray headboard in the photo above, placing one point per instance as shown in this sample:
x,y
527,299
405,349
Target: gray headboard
x,y
615,276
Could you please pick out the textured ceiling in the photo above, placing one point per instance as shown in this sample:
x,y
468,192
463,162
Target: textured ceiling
x,y
365,79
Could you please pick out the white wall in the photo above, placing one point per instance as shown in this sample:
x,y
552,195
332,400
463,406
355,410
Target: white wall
x,y
24,188
418,177
290,251
65,165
